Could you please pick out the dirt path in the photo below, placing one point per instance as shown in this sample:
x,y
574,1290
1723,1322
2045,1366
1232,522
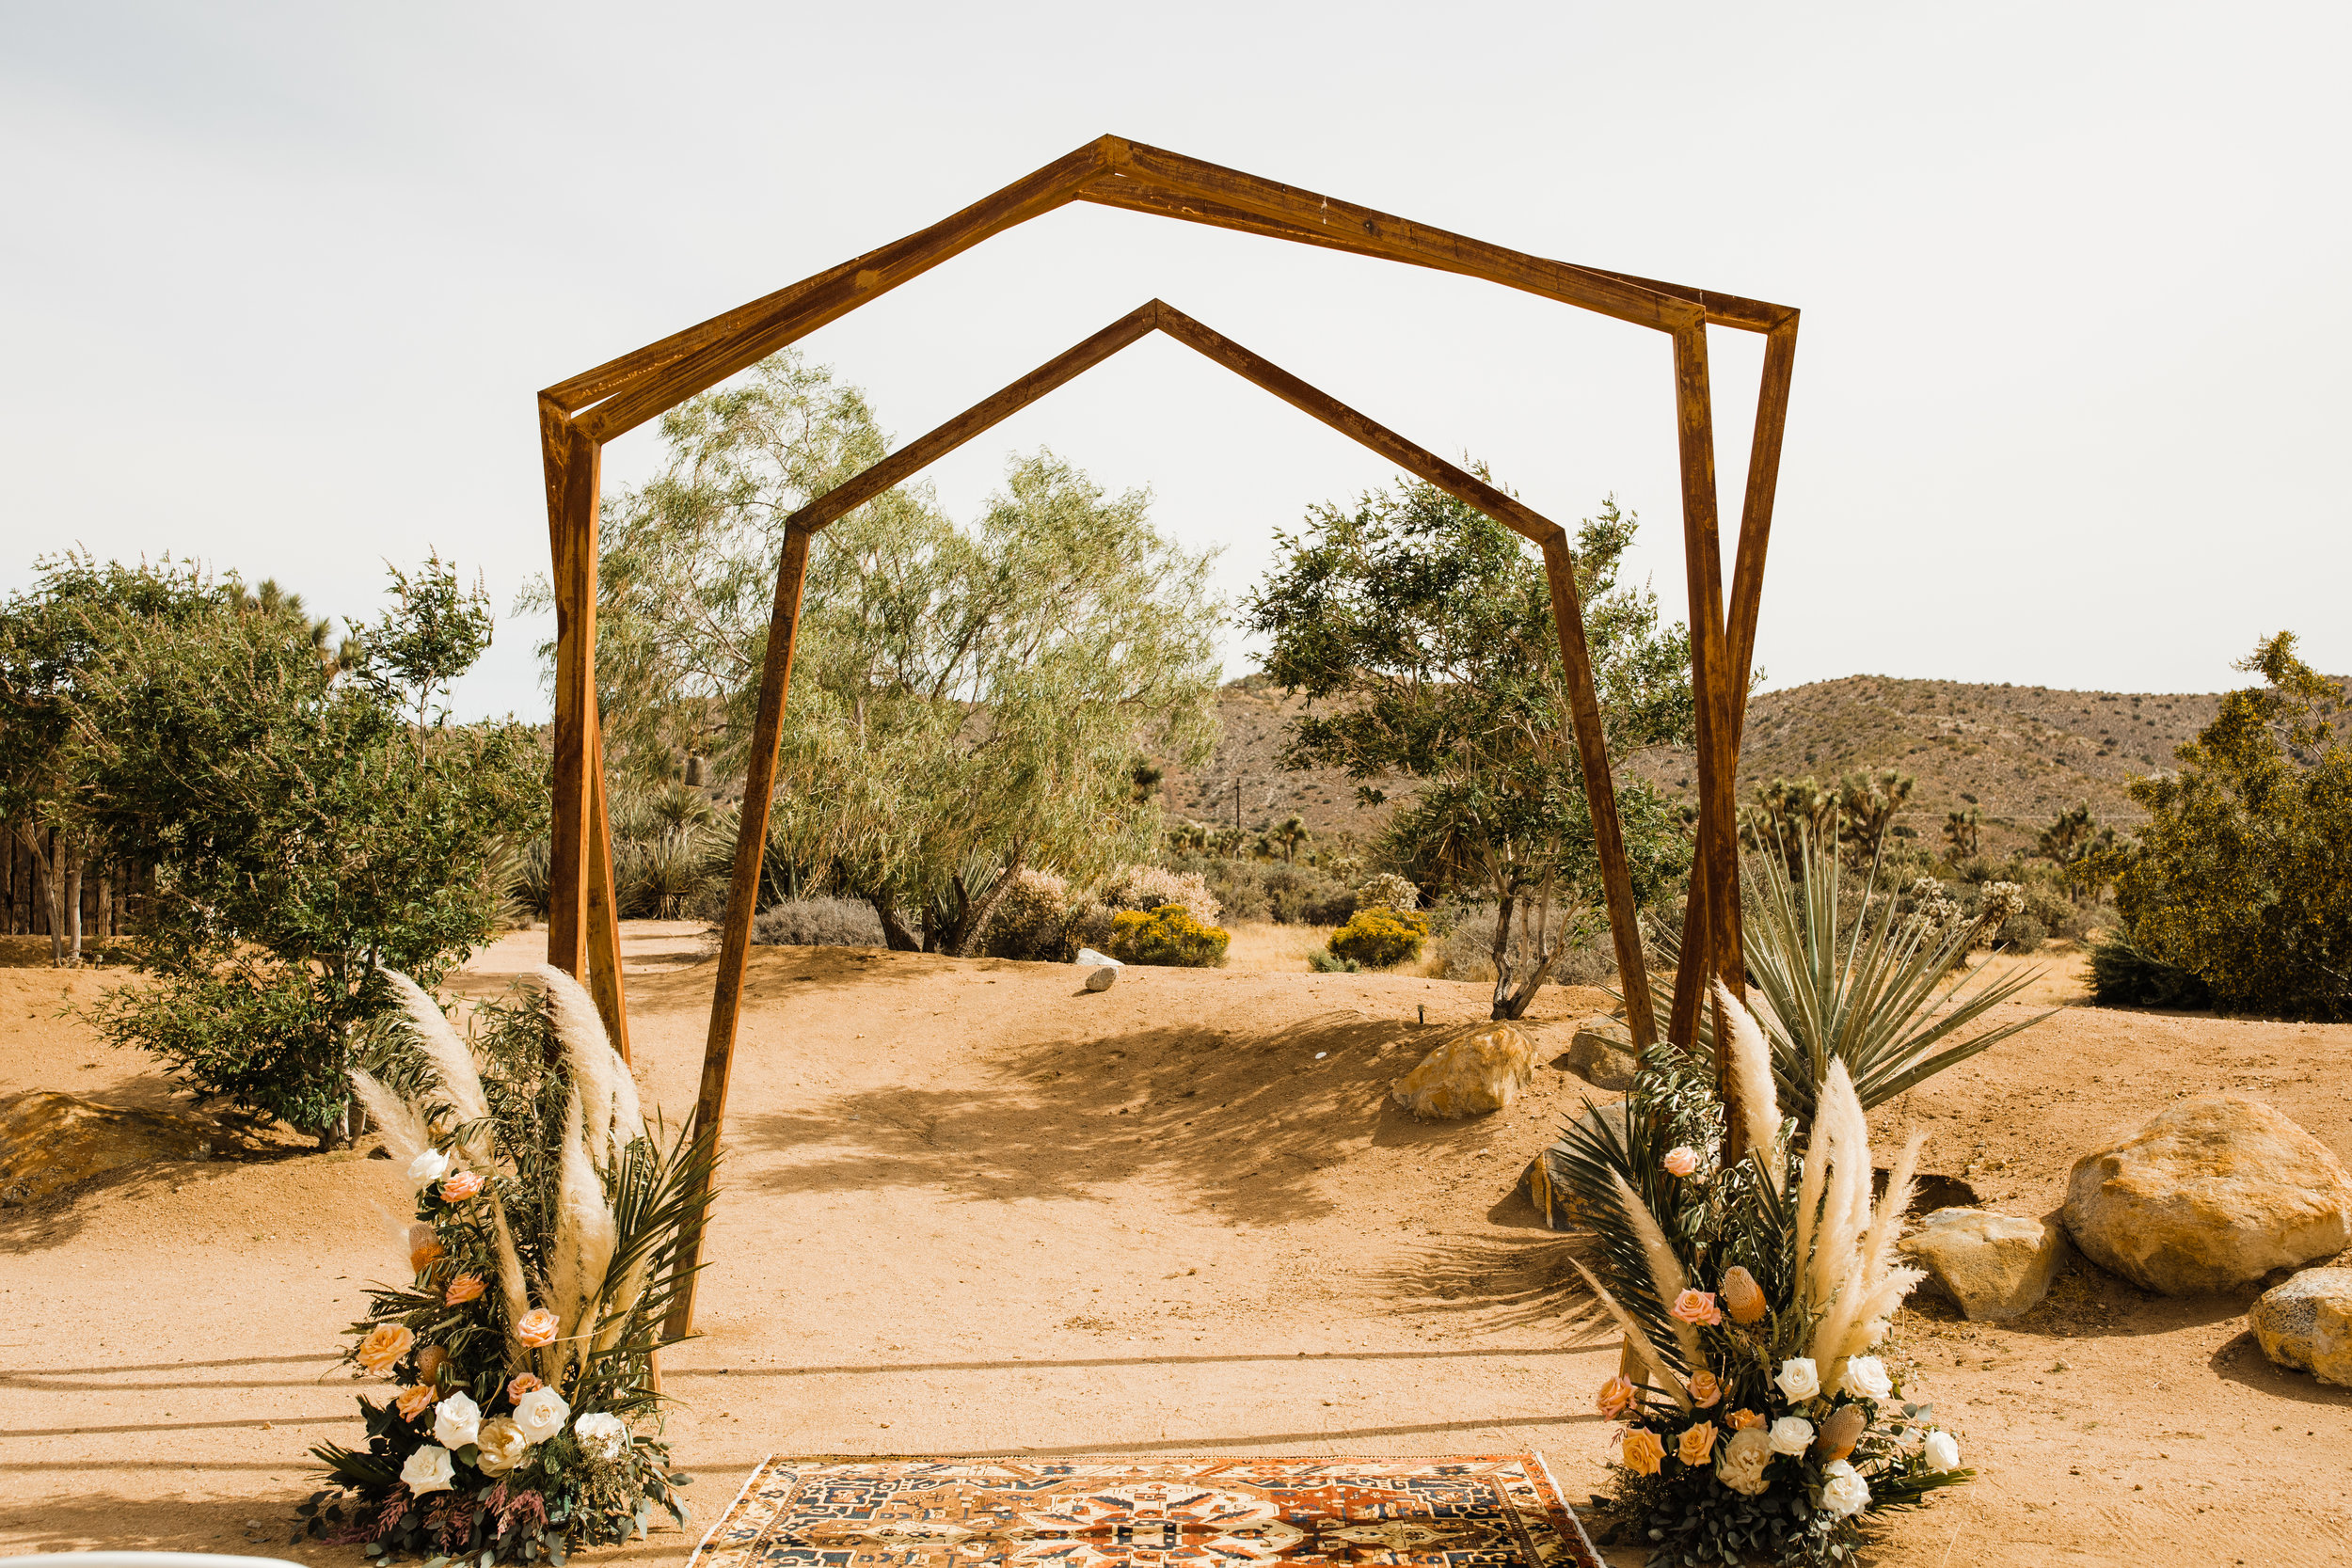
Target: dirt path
x,y
970,1209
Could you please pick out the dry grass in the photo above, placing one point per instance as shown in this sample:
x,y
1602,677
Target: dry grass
x,y
1268,947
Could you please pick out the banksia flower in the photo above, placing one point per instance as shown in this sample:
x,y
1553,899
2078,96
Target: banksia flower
x,y
1841,1431
1741,1297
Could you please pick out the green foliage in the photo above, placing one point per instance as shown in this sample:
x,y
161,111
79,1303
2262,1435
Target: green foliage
x,y
964,702
1886,995
1380,937
2122,974
303,833
1168,935
1421,633
2243,875
1323,961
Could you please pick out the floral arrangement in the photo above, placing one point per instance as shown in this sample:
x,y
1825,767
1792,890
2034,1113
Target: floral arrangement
x,y
1757,1418
524,1422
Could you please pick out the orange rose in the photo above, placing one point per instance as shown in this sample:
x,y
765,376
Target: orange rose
x,y
1642,1453
1742,1297
1739,1420
385,1344
464,1287
536,1327
1697,1446
521,1383
458,1186
414,1401
1614,1397
1698,1308
1704,1390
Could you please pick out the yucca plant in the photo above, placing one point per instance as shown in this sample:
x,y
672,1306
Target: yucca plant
x,y
1884,994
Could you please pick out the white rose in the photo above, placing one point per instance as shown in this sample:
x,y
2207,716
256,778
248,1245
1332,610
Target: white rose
x,y
541,1413
1866,1378
429,1166
1843,1490
1942,1451
1799,1379
601,1435
1740,1465
456,1421
428,1470
500,1447
1792,1434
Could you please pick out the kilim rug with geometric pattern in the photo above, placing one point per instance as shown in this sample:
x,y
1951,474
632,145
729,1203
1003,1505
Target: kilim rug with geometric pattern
x,y
1182,1512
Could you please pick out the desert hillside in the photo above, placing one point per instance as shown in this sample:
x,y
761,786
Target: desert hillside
x,y
2018,753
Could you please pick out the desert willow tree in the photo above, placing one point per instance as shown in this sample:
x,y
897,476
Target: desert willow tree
x,y
1421,633
966,701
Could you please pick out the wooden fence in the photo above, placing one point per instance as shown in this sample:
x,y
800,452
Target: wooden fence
x,y
24,913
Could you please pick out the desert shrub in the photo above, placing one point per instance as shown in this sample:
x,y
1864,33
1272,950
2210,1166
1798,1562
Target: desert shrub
x,y
1032,919
1380,937
1237,885
1465,934
1998,904
1155,887
1322,961
1167,935
818,923
1300,895
1388,890
2021,933
2123,974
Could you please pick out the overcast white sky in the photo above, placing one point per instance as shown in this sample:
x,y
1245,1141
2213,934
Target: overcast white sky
x,y
278,283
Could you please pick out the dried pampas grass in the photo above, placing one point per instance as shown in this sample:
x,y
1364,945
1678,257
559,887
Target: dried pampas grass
x,y
1750,1064
1666,1279
611,1119
585,1235
453,1062
1640,1343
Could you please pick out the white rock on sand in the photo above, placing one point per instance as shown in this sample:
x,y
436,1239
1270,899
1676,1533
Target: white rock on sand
x,y
1482,1068
2211,1193
1995,1266
2306,1323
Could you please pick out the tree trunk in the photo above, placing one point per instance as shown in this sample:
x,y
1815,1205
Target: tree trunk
x,y
895,931
978,916
73,902
1502,958
46,886
343,1129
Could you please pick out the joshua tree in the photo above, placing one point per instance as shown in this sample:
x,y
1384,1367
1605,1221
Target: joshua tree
x,y
1869,803
1786,813
1288,836
2067,842
1960,832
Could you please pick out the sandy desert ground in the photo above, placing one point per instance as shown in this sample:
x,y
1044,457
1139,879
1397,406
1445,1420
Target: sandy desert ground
x,y
971,1209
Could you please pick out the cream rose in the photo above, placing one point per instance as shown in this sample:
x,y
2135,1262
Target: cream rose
x,y
428,1167
1843,1490
541,1413
537,1328
1942,1451
603,1435
428,1469
1799,1379
1792,1434
385,1344
1866,1378
456,1421
1682,1161
503,1446
1740,1465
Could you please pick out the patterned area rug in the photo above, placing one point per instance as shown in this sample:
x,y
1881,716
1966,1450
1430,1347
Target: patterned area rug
x,y
1188,1511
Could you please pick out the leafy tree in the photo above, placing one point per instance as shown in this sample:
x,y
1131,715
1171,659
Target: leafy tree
x,y
1421,633
303,833
966,701
2243,875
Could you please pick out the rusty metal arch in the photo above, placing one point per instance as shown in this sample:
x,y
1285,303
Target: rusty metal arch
x,y
577,415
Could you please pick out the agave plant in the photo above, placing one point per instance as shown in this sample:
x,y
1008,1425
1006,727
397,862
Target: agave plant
x,y
1887,996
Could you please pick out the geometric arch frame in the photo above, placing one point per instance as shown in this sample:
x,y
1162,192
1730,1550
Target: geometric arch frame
x,y
578,415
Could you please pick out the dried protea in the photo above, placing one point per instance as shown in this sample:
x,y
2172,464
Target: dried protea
x,y
1840,1432
1741,1297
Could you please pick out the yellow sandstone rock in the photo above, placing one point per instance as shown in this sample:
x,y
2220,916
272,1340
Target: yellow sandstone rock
x,y
1476,1070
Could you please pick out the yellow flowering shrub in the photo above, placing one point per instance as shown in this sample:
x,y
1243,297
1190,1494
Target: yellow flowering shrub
x,y
1168,935
1380,937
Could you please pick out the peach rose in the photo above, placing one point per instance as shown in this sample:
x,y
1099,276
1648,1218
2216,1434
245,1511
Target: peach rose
x,y
1682,1161
385,1344
1642,1453
1614,1397
1742,1296
536,1327
1697,1307
521,1383
1704,1390
1740,1421
460,1185
1697,1446
464,1287
414,1401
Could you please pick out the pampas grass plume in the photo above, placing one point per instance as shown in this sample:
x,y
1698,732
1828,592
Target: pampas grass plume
x,y
1752,1076
1666,1279
450,1058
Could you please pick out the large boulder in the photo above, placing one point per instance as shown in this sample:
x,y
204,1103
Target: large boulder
x,y
1994,1266
2213,1193
1475,1069
50,1142
2306,1323
1601,1053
